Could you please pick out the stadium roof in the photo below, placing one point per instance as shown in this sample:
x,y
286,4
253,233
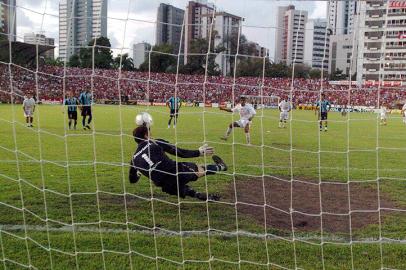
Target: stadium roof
x,y
21,53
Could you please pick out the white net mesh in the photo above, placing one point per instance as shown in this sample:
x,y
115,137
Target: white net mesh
x,y
326,192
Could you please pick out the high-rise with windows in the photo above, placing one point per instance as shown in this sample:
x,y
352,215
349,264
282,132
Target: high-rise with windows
x,y
290,35
8,19
341,16
317,42
382,41
169,26
79,22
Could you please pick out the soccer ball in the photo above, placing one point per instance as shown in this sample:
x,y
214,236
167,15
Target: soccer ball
x,y
143,118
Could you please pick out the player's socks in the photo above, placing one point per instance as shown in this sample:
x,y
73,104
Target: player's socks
x,y
70,124
248,138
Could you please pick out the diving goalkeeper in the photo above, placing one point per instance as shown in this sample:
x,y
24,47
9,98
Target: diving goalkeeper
x,y
150,160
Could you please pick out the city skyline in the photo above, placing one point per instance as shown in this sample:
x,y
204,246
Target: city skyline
x,y
140,25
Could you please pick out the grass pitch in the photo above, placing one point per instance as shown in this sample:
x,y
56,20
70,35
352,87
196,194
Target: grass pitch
x,y
51,177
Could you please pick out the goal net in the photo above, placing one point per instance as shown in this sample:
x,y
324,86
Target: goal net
x,y
319,184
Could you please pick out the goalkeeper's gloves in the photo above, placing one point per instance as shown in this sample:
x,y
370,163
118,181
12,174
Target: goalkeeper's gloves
x,y
205,149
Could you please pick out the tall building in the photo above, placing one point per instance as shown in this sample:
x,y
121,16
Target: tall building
x,y
40,39
198,16
225,26
169,26
140,53
79,22
341,16
317,42
8,19
382,41
343,54
290,35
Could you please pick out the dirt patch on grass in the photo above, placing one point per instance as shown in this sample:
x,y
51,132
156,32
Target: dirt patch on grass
x,y
307,201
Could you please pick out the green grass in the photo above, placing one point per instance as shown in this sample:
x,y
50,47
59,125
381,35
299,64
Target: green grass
x,y
52,192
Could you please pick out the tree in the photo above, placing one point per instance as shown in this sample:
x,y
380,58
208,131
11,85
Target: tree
x,y
337,75
250,67
160,60
74,61
54,62
301,71
124,62
315,73
97,53
198,58
278,70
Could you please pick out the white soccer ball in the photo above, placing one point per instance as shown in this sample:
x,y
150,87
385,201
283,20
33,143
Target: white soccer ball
x,y
143,118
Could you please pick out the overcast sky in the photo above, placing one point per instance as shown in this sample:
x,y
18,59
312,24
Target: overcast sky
x,y
133,21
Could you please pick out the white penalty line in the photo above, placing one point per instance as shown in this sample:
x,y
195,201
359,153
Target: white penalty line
x,y
215,233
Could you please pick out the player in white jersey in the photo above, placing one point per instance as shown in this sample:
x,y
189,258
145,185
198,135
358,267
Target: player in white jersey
x,y
29,108
284,108
404,113
247,113
383,112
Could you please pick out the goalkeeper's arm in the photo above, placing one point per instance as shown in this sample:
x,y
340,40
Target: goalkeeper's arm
x,y
134,175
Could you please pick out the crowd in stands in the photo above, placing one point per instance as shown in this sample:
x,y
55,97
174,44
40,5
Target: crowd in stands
x,y
52,82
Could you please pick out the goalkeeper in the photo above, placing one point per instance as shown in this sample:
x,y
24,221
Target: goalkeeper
x,y
150,159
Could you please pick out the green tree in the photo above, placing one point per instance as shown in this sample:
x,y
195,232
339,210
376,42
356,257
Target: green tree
x,y
337,75
250,67
74,61
198,59
160,59
278,70
124,62
54,62
97,52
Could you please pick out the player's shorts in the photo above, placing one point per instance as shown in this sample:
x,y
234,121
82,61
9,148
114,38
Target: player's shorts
x,y
73,115
383,116
186,173
87,111
174,112
28,113
323,116
283,116
242,123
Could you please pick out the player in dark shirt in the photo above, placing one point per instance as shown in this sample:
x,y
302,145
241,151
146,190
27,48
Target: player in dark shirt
x,y
150,160
174,105
72,103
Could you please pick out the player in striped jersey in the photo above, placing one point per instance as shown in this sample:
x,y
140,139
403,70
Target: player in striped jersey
x,y
174,105
72,103
86,100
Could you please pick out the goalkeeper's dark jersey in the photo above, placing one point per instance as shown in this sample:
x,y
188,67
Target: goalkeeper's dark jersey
x,y
151,160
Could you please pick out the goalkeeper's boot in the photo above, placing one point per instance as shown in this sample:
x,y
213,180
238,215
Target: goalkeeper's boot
x,y
88,127
219,162
224,138
213,197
